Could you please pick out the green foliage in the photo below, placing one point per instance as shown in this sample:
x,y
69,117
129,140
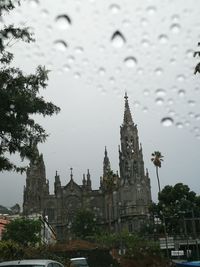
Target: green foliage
x,y
135,246
177,203
157,158
84,224
10,250
23,231
19,99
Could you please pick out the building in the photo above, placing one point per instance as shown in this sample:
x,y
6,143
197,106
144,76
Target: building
x,y
121,202
3,222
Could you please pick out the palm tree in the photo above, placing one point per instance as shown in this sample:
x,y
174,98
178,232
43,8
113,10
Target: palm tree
x,y
157,158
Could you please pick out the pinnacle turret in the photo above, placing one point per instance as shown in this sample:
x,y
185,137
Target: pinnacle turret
x,y
127,113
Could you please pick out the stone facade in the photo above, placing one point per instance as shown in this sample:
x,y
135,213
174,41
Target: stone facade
x,y
121,202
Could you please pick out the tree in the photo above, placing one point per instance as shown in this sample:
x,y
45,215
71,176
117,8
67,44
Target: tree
x,y
84,224
157,158
23,231
178,204
19,99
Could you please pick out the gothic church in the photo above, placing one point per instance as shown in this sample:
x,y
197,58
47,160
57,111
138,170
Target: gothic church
x,y
121,202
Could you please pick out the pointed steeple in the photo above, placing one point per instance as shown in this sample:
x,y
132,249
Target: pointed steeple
x,y
127,113
71,174
88,180
106,163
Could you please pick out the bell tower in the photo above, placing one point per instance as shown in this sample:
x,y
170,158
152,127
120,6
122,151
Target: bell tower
x,y
135,189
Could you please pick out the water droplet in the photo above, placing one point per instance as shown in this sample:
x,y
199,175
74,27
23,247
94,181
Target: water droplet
x,y
172,61
163,38
181,93
170,101
77,75
79,50
12,106
144,22
114,8
70,59
175,18
145,43
136,104
60,45
146,92
175,28
196,129
130,62
112,80
197,117
126,22
160,92
118,39
191,114
189,53
191,103
187,123
34,3
101,71
179,125
167,121
159,101
151,10
66,68
180,78
44,13
158,71
63,22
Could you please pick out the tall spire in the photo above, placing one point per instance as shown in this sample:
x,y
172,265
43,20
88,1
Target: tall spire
x,y
127,113
106,163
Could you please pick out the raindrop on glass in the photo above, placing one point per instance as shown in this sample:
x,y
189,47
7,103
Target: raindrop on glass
x,y
191,103
163,38
118,40
70,59
175,28
160,92
44,13
114,8
181,93
146,92
60,45
63,22
180,78
151,10
159,101
101,71
158,71
79,50
179,125
197,117
167,121
34,3
66,68
77,75
12,106
130,62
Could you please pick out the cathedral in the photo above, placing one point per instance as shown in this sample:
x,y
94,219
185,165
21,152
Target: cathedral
x,y
121,202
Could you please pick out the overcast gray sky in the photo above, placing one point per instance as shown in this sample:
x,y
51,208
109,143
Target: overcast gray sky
x,y
96,50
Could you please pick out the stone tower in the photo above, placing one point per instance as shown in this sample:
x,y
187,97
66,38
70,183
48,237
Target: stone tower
x,y
134,190
37,187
